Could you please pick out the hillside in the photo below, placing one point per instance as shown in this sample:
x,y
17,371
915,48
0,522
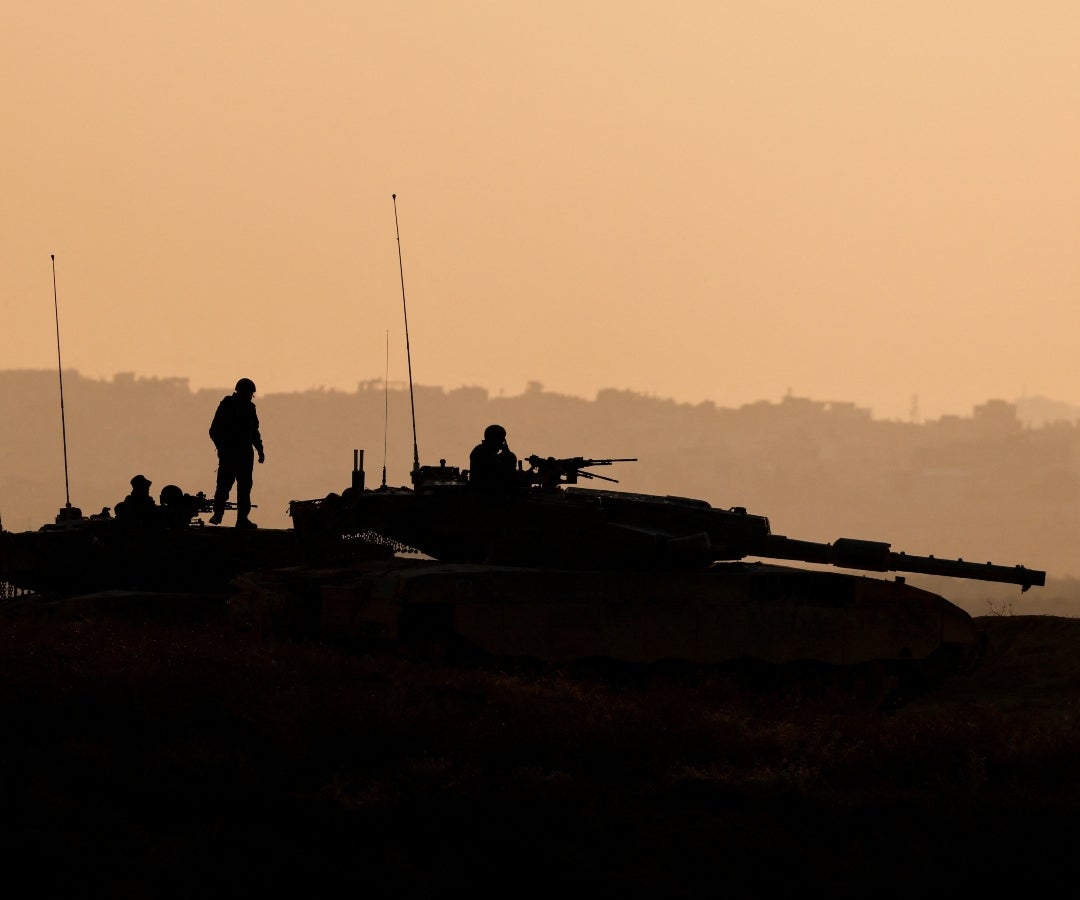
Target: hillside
x,y
151,760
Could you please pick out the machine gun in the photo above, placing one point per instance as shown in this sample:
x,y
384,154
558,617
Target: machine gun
x,y
200,503
547,472
206,504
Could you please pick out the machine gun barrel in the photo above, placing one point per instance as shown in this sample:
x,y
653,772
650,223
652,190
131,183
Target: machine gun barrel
x,y
550,471
204,504
875,556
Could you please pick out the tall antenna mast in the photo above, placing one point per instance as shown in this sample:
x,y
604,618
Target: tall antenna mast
x,y
408,352
386,406
60,370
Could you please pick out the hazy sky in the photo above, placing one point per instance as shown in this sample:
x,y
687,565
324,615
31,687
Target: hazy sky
x,y
854,200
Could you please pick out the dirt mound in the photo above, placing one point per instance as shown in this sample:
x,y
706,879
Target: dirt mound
x,y
1031,663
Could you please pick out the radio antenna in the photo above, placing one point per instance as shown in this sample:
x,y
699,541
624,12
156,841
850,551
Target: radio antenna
x,y
386,406
60,371
408,352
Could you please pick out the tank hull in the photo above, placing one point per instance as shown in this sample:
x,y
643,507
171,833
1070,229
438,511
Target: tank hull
x,y
93,555
729,612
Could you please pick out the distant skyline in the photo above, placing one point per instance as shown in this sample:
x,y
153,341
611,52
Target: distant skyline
x,y
704,201
1032,410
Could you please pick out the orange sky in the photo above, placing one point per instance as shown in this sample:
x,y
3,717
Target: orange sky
x,y
703,200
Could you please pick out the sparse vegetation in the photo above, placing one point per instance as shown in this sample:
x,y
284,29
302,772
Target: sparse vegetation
x,y
145,759
1000,608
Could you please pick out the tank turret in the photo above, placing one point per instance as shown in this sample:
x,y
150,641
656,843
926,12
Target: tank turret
x,y
546,520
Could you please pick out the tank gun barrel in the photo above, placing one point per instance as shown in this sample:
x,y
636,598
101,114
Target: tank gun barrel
x,y
876,556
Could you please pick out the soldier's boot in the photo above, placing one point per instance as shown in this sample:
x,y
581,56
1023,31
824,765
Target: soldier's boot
x,y
242,520
219,508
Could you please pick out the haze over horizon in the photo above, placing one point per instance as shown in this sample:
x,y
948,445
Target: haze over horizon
x,y
703,201
1037,410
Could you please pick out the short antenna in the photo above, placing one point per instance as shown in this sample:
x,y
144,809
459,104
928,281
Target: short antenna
x,y
60,370
408,352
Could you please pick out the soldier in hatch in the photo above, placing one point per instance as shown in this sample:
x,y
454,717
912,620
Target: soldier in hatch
x,y
177,508
138,509
235,433
492,465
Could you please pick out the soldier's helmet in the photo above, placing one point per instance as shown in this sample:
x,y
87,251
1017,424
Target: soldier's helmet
x,y
494,433
140,480
171,494
245,386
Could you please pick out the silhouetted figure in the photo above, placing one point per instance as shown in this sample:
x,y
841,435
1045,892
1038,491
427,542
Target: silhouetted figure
x,y
235,433
138,509
177,508
492,466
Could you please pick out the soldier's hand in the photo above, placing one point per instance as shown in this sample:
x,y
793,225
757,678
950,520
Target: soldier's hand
x,y
262,457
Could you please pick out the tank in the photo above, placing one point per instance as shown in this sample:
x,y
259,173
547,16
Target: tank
x,y
168,550
545,569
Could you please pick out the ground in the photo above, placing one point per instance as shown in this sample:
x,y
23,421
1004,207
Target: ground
x,y
144,758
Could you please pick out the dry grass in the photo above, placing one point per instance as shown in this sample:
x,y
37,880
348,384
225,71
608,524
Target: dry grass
x,y
151,760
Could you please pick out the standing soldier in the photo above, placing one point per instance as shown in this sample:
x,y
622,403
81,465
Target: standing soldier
x,y
235,433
